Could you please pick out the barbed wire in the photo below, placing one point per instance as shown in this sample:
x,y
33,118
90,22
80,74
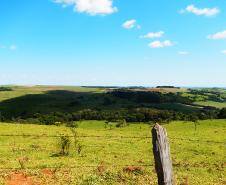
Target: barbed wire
x,y
108,137
81,136
197,140
77,166
124,166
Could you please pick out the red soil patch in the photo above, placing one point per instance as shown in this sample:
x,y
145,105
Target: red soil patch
x,y
133,169
48,172
101,169
186,182
19,179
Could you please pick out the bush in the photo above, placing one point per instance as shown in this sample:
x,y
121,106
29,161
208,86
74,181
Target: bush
x,y
222,113
5,89
64,144
121,124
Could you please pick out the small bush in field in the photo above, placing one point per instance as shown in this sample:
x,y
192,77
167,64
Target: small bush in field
x,y
57,123
64,144
77,145
22,161
121,124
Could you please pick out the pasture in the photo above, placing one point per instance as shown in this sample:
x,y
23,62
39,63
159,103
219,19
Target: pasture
x,y
111,155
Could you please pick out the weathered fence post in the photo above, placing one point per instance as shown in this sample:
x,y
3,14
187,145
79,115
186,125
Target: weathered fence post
x,y
161,150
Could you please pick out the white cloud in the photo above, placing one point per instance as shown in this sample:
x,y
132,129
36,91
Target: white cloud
x,y
159,44
219,35
201,11
130,24
13,47
91,7
66,2
224,52
183,53
152,35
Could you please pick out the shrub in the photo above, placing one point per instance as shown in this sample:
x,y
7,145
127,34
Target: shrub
x,y
64,144
121,124
222,113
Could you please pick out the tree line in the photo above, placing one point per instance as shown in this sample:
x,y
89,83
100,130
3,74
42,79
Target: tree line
x,y
133,115
139,108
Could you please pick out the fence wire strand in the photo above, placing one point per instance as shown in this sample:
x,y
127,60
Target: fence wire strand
x,y
109,137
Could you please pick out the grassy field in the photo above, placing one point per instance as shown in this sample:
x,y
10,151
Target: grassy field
x,y
212,104
18,91
198,155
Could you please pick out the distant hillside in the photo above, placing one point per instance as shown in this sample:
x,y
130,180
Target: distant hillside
x,y
170,87
51,103
5,88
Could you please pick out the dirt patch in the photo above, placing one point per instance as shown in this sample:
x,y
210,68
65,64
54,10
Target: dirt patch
x,y
19,179
185,181
133,169
48,172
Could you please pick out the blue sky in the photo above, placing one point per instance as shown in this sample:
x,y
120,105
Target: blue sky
x,y
119,42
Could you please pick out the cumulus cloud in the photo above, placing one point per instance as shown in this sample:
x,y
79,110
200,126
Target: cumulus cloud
x,y
159,44
219,35
152,35
224,51
183,52
201,11
13,47
91,7
130,24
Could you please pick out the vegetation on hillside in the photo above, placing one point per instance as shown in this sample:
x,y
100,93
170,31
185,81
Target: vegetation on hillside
x,y
5,89
50,105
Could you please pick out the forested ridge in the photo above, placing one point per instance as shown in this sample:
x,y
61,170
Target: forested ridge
x,y
56,106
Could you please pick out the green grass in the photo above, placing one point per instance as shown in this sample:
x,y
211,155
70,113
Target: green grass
x,y
210,97
194,156
27,90
212,104
176,107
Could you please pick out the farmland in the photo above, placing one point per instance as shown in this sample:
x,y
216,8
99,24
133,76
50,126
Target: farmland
x,y
197,154
110,92
51,104
108,134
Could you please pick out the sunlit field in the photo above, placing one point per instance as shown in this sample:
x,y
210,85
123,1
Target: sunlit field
x,y
107,154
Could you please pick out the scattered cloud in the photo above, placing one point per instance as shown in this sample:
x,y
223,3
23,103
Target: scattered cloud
x,y
201,11
130,24
159,44
91,7
152,35
219,35
66,2
183,52
224,51
11,47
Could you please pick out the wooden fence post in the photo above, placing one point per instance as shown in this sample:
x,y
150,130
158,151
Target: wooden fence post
x,y
161,150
